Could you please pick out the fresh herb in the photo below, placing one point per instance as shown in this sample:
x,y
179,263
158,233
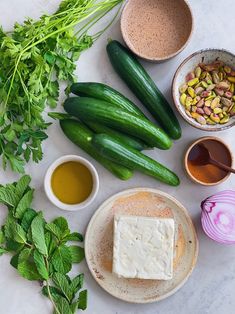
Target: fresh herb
x,y
32,58
41,250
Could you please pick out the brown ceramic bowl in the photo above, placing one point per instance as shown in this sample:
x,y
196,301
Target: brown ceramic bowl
x,y
223,149
156,30
206,56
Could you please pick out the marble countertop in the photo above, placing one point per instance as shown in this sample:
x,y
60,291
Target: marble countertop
x,y
210,289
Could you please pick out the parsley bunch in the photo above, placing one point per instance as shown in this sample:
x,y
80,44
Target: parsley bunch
x,y
33,57
40,250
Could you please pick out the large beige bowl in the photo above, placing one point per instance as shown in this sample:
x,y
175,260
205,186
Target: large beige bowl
x,y
206,56
99,244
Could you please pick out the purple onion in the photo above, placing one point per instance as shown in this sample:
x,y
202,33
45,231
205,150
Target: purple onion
x,y
218,217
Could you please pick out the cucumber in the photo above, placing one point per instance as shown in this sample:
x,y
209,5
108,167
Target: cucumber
x,y
80,135
133,159
126,139
90,109
106,93
141,84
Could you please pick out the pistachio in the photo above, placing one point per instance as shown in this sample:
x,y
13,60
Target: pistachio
x,y
233,98
215,77
198,72
188,113
195,115
232,73
221,115
207,111
232,88
231,79
209,121
188,101
200,103
225,109
205,94
191,92
211,87
194,108
201,120
200,110
224,120
227,69
198,90
183,88
228,94
208,103
190,76
203,75
215,102
219,92
223,85
193,82
217,110
204,84
232,111
209,82
196,100
226,102
221,76
183,99
214,117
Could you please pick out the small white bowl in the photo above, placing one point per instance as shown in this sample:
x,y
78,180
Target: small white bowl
x,y
206,56
48,189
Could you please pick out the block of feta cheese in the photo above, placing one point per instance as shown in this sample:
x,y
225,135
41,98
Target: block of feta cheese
x,y
143,247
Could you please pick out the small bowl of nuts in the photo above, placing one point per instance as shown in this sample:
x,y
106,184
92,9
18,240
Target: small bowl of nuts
x,y
203,89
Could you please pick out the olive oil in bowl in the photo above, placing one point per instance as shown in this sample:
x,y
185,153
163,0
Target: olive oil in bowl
x,y
71,182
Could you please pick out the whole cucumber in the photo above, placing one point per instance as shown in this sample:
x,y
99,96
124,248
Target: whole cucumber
x,y
126,139
138,80
90,109
106,93
133,159
80,135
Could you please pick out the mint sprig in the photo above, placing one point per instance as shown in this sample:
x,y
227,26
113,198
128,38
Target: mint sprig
x,y
42,251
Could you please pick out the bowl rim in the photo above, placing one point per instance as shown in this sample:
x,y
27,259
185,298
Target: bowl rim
x,y
156,59
201,139
48,189
220,127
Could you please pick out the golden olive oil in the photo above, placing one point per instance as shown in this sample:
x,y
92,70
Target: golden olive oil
x,y
72,182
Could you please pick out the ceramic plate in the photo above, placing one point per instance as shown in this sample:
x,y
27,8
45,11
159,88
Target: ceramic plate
x,y
99,244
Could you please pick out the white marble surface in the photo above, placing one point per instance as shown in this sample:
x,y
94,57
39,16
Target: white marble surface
x,y
210,290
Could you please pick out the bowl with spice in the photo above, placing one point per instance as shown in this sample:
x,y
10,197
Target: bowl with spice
x,y
204,158
71,182
203,89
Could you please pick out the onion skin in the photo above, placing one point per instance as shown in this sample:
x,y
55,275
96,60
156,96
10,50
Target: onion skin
x,y
218,217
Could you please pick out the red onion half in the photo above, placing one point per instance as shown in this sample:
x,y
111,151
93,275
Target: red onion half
x,y
218,217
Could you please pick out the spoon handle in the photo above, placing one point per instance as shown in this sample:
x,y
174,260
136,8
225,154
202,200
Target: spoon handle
x,y
222,166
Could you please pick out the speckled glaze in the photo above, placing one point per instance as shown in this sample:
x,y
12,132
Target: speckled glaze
x,y
156,30
99,244
207,56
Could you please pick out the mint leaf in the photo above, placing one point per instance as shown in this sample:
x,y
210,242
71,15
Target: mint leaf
x,y
13,246
17,233
77,253
62,259
82,301
63,306
14,260
75,236
27,219
54,230
50,243
2,237
8,196
24,204
22,185
62,224
26,266
55,293
40,264
62,283
77,283
38,236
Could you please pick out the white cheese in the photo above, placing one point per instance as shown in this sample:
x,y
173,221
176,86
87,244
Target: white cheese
x,y
143,247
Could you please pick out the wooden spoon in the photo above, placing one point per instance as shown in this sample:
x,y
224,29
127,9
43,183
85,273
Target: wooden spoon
x,y
203,157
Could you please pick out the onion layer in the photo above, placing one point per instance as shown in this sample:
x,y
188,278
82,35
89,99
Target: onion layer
x,y
218,217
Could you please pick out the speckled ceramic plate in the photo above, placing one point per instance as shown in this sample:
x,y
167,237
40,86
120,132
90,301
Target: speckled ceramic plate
x,y
99,244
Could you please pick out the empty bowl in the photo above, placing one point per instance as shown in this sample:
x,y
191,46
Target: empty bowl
x,y
206,56
156,30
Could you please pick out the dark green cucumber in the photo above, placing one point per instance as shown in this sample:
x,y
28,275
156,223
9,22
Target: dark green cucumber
x,y
90,109
80,135
141,84
126,139
106,93
133,159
